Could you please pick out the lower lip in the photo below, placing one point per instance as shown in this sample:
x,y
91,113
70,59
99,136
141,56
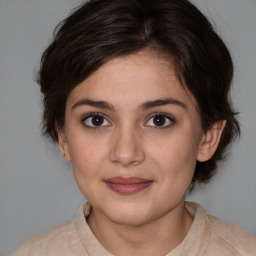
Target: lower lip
x,y
128,189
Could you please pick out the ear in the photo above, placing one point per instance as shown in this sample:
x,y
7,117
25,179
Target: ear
x,y
63,146
210,141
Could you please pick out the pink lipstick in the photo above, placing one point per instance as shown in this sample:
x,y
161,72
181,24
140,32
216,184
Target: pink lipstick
x,y
127,186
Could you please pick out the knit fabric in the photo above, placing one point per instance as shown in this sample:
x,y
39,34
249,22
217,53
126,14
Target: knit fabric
x,y
208,236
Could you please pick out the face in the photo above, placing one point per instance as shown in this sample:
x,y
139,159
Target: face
x,y
133,135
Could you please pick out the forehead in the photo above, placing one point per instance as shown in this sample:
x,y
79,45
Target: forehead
x,y
138,77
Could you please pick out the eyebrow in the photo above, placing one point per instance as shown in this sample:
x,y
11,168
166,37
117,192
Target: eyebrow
x,y
144,106
161,102
95,104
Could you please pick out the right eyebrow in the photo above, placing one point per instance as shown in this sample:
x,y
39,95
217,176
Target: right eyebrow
x,y
95,104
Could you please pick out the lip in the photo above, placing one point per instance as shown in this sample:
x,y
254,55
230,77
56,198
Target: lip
x,y
127,185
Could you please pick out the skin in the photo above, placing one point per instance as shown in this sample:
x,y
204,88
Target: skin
x,y
128,143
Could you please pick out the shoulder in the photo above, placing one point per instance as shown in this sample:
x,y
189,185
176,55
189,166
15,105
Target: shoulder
x,y
227,237
61,240
212,236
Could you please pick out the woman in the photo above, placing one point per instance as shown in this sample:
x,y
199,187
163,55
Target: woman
x,y
136,93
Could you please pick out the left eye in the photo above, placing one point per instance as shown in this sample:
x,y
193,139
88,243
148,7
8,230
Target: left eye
x,y
160,120
95,120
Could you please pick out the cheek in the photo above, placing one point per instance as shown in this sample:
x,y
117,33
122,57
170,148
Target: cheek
x,y
86,155
176,149
175,158
176,175
87,161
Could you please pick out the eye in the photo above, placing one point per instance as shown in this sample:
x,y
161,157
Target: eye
x,y
160,120
95,120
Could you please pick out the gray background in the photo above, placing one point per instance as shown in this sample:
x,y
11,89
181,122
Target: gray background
x,y
37,189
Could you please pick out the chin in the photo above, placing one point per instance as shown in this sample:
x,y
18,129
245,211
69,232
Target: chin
x,y
130,220
130,215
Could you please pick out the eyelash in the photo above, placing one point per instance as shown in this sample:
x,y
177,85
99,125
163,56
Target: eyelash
x,y
94,127
166,116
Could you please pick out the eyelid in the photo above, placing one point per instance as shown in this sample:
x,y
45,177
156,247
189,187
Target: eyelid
x,y
92,115
169,117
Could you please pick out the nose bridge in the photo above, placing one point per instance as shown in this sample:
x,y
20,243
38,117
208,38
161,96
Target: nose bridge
x,y
127,147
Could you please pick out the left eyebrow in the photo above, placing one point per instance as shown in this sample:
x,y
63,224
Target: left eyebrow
x,y
161,102
92,103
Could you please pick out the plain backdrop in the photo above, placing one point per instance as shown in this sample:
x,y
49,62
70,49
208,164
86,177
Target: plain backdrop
x,y
37,188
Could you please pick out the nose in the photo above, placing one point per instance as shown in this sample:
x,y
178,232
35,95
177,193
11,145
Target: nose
x,y
127,148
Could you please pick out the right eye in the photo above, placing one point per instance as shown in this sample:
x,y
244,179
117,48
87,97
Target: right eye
x,y
95,120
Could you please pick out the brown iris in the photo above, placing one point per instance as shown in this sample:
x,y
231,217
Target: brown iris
x,y
159,120
97,120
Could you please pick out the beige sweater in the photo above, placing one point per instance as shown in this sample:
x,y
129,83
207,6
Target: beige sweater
x,y
208,236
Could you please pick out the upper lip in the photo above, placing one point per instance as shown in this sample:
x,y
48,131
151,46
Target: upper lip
x,y
127,180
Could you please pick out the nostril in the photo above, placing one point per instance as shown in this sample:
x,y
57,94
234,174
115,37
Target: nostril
x,y
127,151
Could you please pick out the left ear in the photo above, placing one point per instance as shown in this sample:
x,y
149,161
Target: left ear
x,y
210,141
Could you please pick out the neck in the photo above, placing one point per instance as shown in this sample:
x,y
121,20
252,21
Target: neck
x,y
157,237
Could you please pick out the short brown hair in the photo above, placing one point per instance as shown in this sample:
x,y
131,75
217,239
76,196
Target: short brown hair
x,y
101,30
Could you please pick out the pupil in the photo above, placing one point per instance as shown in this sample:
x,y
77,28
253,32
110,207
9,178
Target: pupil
x,y
159,120
97,120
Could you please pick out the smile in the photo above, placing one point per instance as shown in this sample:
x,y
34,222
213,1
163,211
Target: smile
x,y
127,186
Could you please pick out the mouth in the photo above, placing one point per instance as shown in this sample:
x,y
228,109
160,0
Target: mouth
x,y
127,186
